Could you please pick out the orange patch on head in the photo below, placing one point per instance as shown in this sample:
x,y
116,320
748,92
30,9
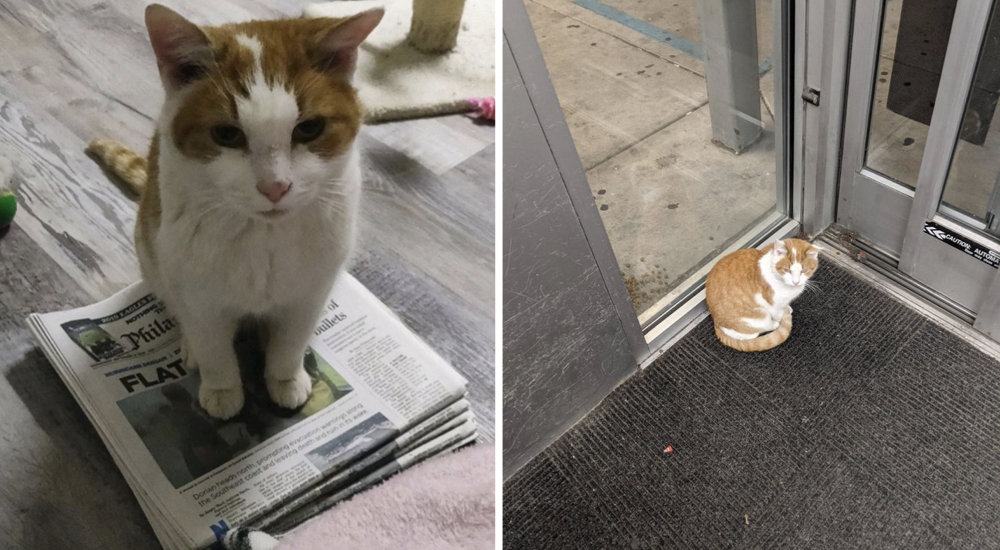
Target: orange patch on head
x,y
801,252
207,106
337,104
290,58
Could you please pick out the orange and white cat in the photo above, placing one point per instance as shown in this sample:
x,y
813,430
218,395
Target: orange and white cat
x,y
750,291
250,190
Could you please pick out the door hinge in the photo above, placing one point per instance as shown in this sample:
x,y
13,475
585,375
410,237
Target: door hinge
x,y
811,95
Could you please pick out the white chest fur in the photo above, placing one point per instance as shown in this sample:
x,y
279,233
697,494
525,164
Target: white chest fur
x,y
220,259
784,294
253,266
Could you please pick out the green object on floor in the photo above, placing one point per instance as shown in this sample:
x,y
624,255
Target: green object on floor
x,y
8,206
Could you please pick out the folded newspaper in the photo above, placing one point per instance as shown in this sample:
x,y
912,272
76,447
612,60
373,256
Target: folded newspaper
x,y
382,400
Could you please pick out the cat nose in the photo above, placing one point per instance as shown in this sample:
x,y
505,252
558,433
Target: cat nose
x,y
274,191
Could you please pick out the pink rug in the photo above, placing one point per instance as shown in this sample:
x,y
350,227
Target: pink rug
x,y
446,503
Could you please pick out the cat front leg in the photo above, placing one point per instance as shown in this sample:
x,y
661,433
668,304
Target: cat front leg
x,y
208,343
289,329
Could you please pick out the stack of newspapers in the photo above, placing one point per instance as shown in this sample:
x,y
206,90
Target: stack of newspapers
x,y
381,401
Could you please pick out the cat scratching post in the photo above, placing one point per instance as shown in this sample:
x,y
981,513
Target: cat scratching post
x,y
435,24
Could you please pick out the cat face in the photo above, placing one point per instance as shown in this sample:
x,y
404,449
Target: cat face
x,y
795,261
262,114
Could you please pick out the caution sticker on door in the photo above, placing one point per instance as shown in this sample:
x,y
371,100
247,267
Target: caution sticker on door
x,y
943,234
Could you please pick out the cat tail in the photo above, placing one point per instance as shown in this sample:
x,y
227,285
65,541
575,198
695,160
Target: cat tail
x,y
761,343
120,161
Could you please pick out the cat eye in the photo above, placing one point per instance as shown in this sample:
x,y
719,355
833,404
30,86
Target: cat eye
x,y
228,136
308,130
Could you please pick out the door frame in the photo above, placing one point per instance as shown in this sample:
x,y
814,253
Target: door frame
x,y
816,54
889,217
566,343
795,194
527,56
822,36
805,196
800,195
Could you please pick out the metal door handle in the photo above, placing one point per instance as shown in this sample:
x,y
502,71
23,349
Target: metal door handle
x,y
811,95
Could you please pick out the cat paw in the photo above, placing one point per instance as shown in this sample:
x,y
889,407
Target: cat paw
x,y
290,393
221,403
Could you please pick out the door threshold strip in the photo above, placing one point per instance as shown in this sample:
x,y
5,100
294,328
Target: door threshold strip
x,y
924,302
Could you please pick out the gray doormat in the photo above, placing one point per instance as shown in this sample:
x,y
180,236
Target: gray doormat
x,y
871,427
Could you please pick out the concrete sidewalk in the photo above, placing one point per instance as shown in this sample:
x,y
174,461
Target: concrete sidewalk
x,y
631,84
630,79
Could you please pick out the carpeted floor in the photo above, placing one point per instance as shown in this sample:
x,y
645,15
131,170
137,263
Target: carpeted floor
x,y
870,428
395,81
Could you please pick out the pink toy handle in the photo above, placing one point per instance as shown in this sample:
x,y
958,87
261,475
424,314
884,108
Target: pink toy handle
x,y
485,108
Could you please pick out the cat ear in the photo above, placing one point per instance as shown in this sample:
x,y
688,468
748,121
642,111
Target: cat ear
x,y
813,252
336,50
183,52
780,249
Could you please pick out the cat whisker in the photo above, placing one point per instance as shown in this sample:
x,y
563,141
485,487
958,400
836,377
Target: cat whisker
x,y
316,80
337,211
813,287
331,202
222,86
336,198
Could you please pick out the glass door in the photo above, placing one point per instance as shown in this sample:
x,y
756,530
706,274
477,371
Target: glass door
x,y
921,163
678,113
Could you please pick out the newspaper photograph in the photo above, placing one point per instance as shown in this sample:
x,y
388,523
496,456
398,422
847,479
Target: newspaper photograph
x,y
136,329
373,381
187,443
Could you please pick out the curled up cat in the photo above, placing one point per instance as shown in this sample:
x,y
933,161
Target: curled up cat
x,y
250,191
750,292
